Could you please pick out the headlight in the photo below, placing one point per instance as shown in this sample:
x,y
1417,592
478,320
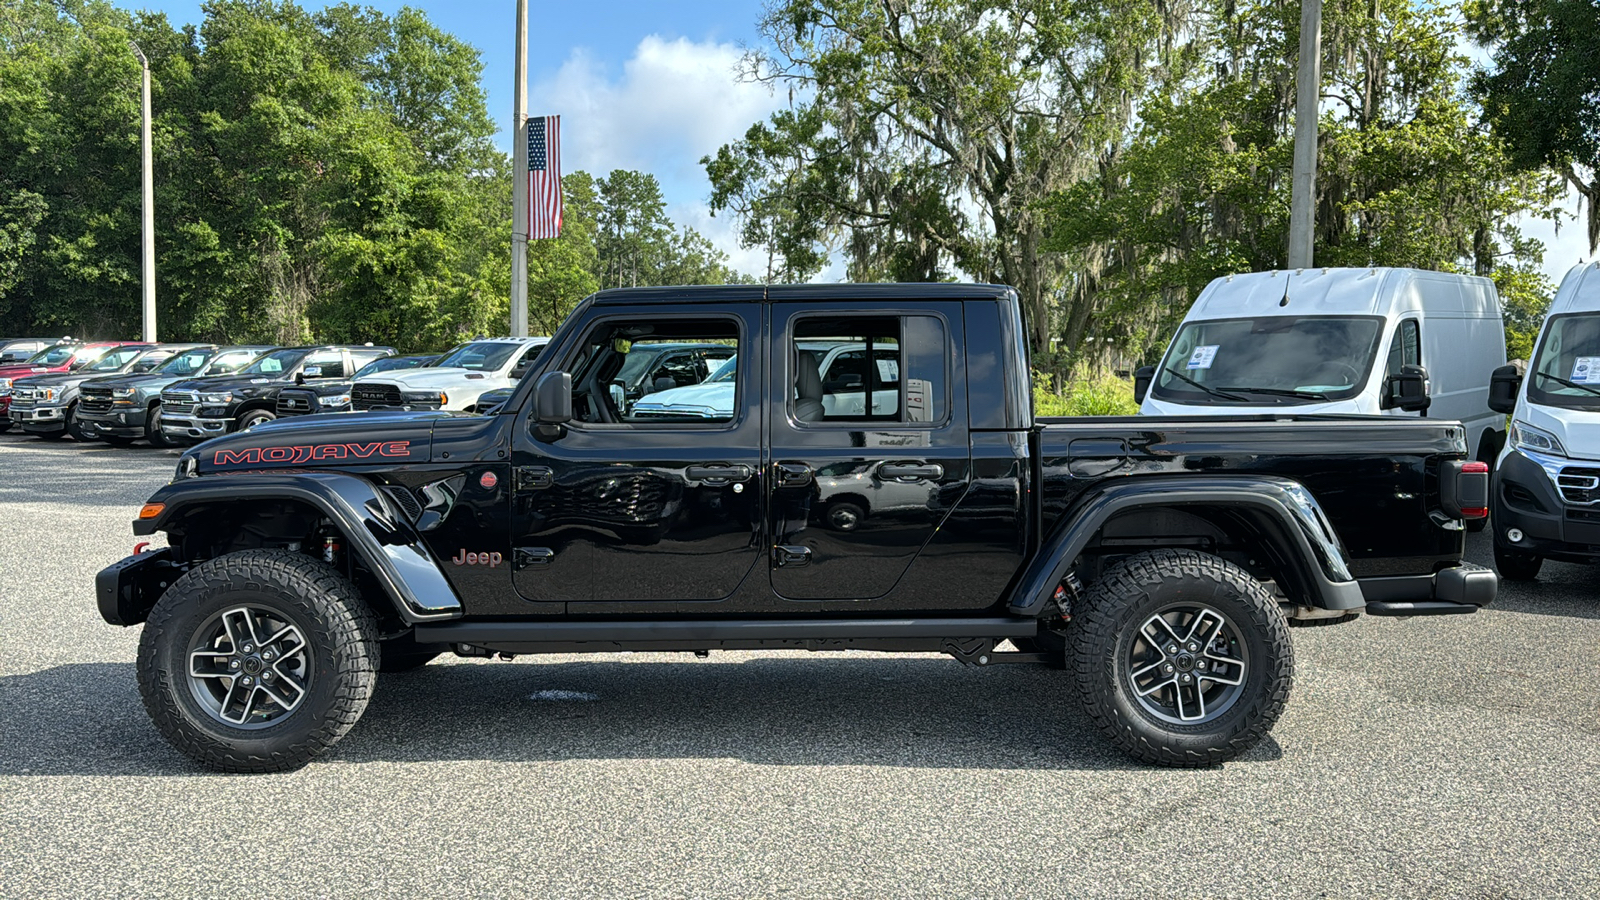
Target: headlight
x,y
426,397
187,468
340,400
5,384
45,394
1526,437
224,397
123,393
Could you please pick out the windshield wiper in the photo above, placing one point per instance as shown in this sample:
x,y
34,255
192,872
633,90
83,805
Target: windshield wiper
x,y
1280,392
1210,390
1557,378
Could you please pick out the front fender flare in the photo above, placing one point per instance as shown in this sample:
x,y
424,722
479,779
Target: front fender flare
x,y
1300,529
381,538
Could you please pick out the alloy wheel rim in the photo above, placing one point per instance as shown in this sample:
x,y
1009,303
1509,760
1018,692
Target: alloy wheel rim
x,y
1187,665
249,667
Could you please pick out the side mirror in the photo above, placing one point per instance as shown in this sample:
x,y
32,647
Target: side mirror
x,y
1504,385
517,371
1407,390
552,398
1142,379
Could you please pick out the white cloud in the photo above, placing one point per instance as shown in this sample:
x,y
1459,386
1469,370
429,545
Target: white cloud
x,y
672,103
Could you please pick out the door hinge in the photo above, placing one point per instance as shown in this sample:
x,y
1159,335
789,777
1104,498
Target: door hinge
x,y
791,555
531,557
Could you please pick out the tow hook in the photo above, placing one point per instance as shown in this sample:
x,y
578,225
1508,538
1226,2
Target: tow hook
x,y
139,547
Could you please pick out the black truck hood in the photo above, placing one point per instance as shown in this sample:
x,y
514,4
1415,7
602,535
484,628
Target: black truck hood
x,y
244,384
146,380
58,379
351,439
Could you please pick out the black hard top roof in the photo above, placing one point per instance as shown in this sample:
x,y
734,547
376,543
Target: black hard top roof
x,y
778,293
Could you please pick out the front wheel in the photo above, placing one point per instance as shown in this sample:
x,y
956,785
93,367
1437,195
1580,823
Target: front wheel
x,y
1515,565
152,429
257,661
255,417
1182,658
75,428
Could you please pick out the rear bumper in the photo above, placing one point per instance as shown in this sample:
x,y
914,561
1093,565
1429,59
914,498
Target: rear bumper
x,y
1464,588
1525,499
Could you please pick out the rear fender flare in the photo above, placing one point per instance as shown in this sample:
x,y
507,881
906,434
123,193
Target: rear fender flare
x,y
1300,530
377,532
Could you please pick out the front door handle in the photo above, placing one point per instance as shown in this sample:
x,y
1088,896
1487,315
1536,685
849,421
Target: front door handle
x,y
718,473
911,471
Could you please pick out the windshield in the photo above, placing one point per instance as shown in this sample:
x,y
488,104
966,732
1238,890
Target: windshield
x,y
186,363
57,355
1566,370
727,372
231,361
1271,360
116,359
390,363
276,362
483,356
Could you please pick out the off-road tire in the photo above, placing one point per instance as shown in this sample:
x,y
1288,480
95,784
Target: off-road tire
x,y
255,417
1106,622
340,634
403,654
1516,565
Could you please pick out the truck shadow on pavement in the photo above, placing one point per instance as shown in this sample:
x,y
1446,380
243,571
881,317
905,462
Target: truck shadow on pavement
x,y
87,718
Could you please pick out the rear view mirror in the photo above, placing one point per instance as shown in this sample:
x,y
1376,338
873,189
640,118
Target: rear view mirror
x,y
1407,390
552,398
1141,382
1504,385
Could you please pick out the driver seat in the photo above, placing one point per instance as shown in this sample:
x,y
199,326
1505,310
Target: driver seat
x,y
808,390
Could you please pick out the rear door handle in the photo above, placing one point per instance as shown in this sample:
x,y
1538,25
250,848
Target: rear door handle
x,y
718,473
792,475
791,555
911,471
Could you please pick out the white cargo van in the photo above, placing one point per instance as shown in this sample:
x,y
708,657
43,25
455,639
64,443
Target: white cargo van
x,y
1545,497
1360,341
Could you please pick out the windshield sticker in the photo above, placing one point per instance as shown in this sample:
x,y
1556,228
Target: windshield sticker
x,y
1586,370
1202,357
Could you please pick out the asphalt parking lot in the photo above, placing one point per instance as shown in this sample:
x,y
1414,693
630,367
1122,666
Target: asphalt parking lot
x,y
1448,757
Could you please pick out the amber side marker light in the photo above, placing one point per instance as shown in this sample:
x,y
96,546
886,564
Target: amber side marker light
x,y
151,510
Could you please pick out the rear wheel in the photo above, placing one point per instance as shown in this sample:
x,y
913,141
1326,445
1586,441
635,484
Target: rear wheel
x,y
844,515
1182,658
257,661
1516,565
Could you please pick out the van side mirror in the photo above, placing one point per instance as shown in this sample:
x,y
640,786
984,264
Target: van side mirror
x,y
552,398
1407,390
1142,379
1504,385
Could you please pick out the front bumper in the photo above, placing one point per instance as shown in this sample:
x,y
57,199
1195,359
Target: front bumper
x,y
193,428
119,422
1524,498
33,417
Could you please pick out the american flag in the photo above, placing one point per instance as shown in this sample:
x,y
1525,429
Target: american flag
x,y
544,177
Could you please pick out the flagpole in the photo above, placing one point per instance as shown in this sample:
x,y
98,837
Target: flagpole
x,y
519,183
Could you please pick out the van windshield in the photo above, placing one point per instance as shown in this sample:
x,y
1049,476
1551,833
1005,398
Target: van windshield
x,y
1269,360
1566,370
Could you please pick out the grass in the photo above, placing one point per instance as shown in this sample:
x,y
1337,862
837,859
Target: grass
x,y
1088,392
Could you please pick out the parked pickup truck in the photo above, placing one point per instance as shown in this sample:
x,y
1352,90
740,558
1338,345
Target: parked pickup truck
x,y
454,382
120,409
325,396
1161,560
202,408
47,405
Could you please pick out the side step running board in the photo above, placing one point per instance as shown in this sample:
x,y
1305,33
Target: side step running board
x,y
1418,608
498,633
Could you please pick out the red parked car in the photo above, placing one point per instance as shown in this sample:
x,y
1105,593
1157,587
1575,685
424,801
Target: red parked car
x,y
67,357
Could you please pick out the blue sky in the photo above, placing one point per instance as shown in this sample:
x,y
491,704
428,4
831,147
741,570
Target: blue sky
x,y
650,86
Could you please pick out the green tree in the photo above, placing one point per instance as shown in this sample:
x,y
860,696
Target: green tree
x,y
1543,93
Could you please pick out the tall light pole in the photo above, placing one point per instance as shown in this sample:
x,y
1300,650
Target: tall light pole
x,y
519,182
1308,97
147,189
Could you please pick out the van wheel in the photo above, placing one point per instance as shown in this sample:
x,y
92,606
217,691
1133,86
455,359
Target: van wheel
x,y
1182,658
257,661
1515,565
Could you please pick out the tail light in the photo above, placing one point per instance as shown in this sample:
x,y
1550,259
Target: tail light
x,y
1464,489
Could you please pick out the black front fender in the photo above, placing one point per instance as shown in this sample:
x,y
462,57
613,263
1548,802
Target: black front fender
x,y
1297,526
380,537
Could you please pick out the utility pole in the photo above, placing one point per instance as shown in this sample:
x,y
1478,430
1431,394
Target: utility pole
x,y
147,189
1308,97
519,182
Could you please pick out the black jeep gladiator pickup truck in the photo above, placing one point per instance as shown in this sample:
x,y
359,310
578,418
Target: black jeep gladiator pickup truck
x,y
1161,560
